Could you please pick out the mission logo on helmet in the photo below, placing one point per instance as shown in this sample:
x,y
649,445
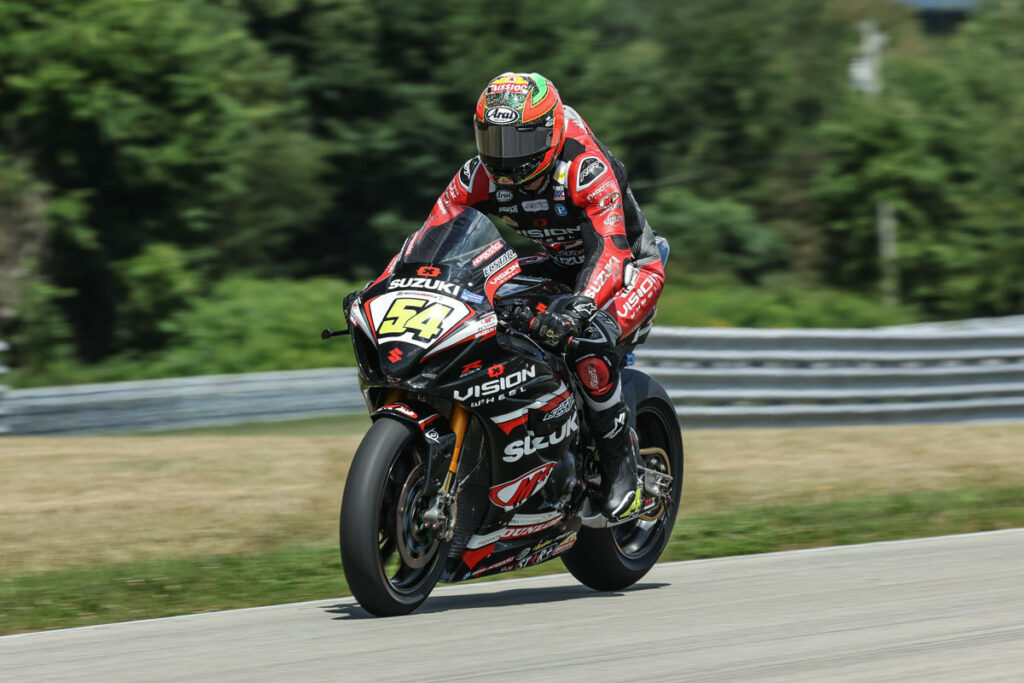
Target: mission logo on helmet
x,y
517,88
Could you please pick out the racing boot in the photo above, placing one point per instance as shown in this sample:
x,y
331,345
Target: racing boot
x,y
620,480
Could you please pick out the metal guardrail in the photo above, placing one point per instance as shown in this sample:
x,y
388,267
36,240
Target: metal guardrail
x,y
920,373
184,402
937,372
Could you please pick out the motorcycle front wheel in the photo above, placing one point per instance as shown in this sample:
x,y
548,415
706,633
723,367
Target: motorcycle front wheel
x,y
390,563
614,558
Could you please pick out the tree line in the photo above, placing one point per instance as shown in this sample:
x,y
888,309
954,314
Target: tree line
x,y
150,150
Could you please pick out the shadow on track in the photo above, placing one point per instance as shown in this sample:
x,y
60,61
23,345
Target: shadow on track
x,y
514,596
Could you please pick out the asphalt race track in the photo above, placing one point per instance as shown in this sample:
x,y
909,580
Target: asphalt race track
x,y
939,609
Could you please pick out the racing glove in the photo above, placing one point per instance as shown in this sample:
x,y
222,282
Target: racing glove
x,y
556,329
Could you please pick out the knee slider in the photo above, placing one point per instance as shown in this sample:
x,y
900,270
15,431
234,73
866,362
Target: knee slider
x,y
595,374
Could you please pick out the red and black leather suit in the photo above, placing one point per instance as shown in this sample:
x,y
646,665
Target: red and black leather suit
x,y
595,239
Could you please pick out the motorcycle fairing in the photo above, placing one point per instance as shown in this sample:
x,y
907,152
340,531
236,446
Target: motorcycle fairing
x,y
538,417
430,328
415,317
525,541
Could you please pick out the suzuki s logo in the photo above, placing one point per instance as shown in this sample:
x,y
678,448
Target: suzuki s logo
x,y
395,355
500,115
514,493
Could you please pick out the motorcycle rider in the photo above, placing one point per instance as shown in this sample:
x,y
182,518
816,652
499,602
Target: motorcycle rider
x,y
544,173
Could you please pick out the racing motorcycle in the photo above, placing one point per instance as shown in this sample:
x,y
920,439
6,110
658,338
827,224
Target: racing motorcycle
x,y
478,460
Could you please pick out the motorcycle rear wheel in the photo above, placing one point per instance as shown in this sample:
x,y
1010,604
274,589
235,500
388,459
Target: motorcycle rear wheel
x,y
614,558
391,565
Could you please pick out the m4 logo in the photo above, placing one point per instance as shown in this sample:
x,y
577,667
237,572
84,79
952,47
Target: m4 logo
x,y
418,316
515,492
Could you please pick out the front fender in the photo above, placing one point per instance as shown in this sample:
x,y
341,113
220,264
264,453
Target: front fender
x,y
435,431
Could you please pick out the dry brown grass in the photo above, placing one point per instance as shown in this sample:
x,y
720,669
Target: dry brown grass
x,y
74,501
729,468
70,501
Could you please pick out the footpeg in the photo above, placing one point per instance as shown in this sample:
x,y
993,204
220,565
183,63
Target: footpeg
x,y
657,483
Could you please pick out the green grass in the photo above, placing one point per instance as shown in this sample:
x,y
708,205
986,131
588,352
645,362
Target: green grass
x,y
93,595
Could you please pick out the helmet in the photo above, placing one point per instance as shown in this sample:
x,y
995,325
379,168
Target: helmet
x,y
520,127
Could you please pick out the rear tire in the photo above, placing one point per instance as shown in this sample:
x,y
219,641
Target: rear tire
x,y
391,566
612,559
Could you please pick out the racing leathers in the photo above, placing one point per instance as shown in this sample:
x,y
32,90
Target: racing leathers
x,y
594,238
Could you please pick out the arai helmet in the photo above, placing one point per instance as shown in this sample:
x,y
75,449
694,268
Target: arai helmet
x,y
520,127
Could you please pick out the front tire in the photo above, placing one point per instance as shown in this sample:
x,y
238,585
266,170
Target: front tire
x,y
390,564
614,558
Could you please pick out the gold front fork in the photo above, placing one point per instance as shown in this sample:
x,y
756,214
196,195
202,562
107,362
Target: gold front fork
x,y
459,423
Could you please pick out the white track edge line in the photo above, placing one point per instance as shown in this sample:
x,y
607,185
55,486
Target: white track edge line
x,y
464,586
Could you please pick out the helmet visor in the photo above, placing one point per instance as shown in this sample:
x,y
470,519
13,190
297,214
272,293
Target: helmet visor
x,y
504,148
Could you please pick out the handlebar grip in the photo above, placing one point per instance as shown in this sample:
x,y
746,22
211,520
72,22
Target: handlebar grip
x,y
521,319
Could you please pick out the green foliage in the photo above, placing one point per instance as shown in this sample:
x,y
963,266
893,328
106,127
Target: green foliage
x,y
151,150
782,303
249,325
881,152
153,122
157,283
944,146
42,339
241,325
715,235
22,232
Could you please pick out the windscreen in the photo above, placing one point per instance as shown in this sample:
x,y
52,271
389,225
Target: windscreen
x,y
454,243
